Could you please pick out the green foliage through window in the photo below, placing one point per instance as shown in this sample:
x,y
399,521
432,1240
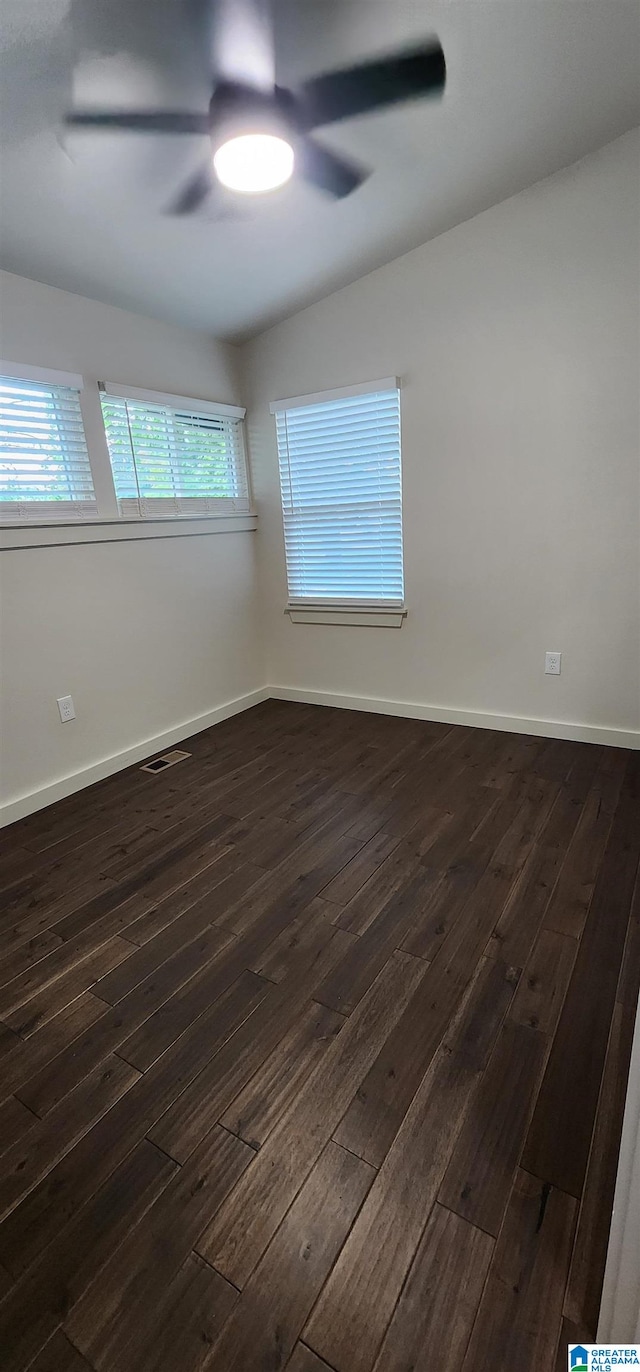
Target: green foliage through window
x,y
43,453
163,454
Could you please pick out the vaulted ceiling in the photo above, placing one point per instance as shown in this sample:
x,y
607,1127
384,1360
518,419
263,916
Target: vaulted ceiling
x,y
533,85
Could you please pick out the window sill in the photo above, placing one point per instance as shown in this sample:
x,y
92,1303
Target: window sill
x,y
51,535
350,616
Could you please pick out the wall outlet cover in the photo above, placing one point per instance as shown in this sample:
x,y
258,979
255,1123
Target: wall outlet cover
x,y
66,708
553,664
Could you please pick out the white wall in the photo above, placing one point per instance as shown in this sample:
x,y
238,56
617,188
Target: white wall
x,y
516,335
144,635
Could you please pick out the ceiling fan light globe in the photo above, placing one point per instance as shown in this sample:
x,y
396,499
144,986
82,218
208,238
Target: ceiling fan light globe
x,y
252,163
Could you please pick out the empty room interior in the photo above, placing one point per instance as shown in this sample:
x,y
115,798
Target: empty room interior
x,y
320,685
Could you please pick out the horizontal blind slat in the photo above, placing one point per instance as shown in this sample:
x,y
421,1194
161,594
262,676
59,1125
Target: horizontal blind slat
x,y
341,485
173,461
44,462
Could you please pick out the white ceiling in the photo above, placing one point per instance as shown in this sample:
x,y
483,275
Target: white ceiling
x,y
532,86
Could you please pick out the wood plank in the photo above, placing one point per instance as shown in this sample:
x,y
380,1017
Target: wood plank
x,y
161,1030
117,1316
89,851
629,979
426,828
22,1059
544,981
277,1299
311,931
12,964
290,887
45,908
102,910
204,1101
304,1360
452,842
345,986
582,1300
42,1007
353,876
195,1307
57,964
41,894
15,864
555,1150
73,1180
48,1140
159,914
167,873
434,1316
519,754
372,897
54,823
466,939
196,929
59,1355
569,1333
377,1110
179,1011
15,1121
37,1304
356,1305
183,838
431,776
9,1042
168,1020
518,1320
129,901
46,1087
259,1106
245,1224
571,897
477,1182
333,815
517,928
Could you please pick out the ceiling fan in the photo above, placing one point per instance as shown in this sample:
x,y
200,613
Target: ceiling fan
x,y
261,132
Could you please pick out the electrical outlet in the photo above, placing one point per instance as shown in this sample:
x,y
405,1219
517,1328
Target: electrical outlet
x,y
553,664
66,708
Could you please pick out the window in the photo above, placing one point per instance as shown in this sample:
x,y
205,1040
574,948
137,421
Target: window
x,y
44,463
165,457
179,458
341,483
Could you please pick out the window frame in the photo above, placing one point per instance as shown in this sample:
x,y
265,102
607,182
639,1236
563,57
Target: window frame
x,y
105,522
151,507
348,611
38,511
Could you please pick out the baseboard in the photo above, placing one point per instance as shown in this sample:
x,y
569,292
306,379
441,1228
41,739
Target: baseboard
x,y
65,786
76,781
512,724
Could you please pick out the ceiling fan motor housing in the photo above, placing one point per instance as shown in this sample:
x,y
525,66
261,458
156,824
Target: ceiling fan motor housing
x,y
235,110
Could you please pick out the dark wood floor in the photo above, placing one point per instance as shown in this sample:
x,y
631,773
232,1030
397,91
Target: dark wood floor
x,y
314,1052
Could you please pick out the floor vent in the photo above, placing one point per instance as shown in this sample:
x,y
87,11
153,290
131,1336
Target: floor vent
x,y
167,760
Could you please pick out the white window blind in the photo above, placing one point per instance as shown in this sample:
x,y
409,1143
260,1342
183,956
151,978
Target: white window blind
x,y
171,461
44,463
341,483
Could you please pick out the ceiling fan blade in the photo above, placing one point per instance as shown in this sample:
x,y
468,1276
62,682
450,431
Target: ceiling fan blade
x,y
372,85
194,193
204,190
139,121
327,170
